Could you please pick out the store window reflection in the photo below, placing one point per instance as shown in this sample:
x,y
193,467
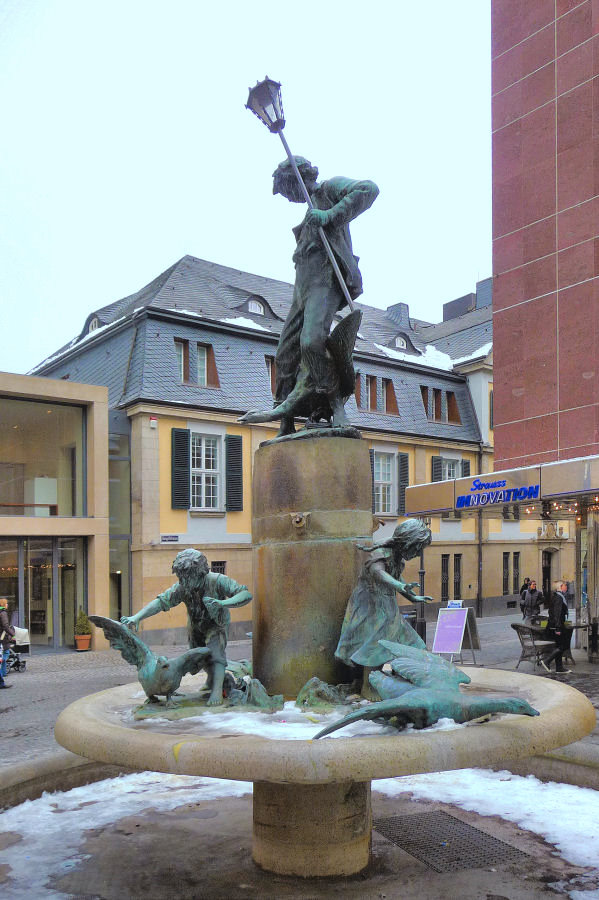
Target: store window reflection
x,y
42,448
119,474
70,586
119,603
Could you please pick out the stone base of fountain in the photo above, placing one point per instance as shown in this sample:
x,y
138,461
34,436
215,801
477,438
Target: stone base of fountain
x,y
312,811
312,830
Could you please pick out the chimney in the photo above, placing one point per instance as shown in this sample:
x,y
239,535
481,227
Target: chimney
x,y
399,313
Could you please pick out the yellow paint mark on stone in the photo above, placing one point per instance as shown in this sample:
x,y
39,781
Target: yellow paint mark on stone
x,y
177,748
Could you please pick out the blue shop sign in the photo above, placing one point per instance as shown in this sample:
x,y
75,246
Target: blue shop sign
x,y
485,493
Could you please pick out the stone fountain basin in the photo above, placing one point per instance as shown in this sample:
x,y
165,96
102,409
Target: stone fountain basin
x,y
93,727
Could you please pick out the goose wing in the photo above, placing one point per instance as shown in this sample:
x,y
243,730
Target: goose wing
x,y
133,650
423,668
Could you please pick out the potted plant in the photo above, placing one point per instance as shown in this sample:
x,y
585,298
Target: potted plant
x,y
83,631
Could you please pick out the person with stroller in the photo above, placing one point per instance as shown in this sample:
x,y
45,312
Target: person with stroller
x,y
6,638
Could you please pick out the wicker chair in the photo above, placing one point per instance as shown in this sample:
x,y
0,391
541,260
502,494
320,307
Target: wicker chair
x,y
532,647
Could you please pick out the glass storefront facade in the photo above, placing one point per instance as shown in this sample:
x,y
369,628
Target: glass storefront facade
x,y
42,452
43,474
43,580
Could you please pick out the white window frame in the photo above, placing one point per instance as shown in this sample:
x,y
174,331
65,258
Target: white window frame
x,y
254,306
202,365
180,351
93,325
206,472
401,343
384,483
450,468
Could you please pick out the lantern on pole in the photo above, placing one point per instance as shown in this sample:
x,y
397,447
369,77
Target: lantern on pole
x,y
266,103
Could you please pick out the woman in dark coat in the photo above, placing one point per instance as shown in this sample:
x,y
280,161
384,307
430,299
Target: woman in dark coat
x,y
372,612
558,613
6,637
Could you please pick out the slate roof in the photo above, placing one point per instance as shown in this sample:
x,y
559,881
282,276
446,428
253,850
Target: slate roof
x,y
461,336
133,351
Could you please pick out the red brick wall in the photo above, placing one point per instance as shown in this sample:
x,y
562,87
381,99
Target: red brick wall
x,y
545,229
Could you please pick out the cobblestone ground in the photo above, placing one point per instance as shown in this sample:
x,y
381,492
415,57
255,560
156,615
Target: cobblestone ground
x,y
28,711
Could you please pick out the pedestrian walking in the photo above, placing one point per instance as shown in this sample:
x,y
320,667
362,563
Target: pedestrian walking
x,y
6,638
532,600
558,613
523,590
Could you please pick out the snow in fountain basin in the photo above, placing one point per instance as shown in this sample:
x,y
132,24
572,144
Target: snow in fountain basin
x,y
290,724
53,827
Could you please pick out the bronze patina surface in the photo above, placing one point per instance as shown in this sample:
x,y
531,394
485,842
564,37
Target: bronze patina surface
x,y
315,374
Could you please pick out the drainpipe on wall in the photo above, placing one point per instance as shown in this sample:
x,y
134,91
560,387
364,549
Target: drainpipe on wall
x,y
479,529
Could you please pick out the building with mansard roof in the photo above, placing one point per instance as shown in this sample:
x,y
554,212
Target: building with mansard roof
x,y
188,353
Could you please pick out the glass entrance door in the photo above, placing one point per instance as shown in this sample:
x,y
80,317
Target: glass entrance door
x,y
39,592
43,580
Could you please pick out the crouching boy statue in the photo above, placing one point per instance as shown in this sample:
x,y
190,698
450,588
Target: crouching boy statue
x,y
208,598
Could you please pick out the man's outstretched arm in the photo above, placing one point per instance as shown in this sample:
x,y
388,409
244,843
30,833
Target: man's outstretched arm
x,y
352,198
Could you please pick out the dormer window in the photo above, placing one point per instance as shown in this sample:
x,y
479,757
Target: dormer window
x,y
401,343
254,306
94,323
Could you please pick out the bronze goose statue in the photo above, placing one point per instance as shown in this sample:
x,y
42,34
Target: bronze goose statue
x,y
426,690
157,675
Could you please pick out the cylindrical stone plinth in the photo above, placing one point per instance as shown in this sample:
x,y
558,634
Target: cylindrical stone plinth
x,y
312,829
311,501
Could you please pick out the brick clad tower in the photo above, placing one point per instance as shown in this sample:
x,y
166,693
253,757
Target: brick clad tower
x,y
545,229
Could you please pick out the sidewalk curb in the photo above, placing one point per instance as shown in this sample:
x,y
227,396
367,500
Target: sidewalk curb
x,y
59,771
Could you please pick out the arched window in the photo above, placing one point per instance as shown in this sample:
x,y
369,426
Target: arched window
x,y
95,322
254,306
401,343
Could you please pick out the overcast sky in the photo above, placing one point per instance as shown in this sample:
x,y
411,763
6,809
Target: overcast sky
x,y
126,145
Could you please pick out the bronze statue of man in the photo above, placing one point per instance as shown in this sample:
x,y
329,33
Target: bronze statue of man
x,y
311,377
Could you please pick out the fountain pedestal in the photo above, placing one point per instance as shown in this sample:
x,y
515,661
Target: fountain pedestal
x,y
311,501
312,829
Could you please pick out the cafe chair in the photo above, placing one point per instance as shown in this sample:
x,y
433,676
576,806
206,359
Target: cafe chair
x,y
531,646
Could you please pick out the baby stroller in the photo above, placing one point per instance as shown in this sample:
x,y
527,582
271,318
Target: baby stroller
x,y
14,663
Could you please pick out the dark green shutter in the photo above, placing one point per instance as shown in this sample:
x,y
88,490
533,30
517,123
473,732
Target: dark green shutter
x,y
437,468
371,452
403,480
465,468
180,468
234,472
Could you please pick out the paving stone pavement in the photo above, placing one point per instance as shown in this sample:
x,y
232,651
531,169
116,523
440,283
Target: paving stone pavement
x,y
52,681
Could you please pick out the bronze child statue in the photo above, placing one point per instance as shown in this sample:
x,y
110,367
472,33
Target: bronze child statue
x,y
208,597
372,612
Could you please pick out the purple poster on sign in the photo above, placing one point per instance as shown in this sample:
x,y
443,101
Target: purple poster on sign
x,y
449,633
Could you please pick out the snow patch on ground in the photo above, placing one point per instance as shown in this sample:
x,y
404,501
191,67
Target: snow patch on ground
x,y
52,827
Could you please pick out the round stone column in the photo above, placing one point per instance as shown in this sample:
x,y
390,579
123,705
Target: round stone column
x,y
311,501
312,829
